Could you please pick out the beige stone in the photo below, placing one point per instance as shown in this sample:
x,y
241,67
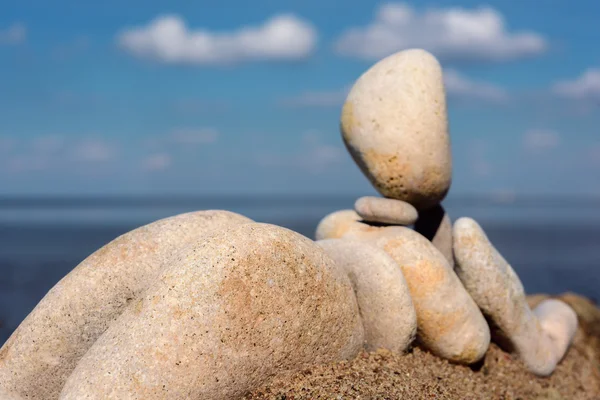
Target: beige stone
x,y
9,396
336,224
386,309
394,123
540,337
385,211
39,356
435,224
229,313
449,323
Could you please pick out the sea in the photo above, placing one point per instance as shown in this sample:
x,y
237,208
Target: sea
x,y
552,243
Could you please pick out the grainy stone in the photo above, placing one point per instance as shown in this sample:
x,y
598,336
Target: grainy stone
x,y
386,309
394,123
228,314
435,225
334,225
39,356
449,323
541,337
385,211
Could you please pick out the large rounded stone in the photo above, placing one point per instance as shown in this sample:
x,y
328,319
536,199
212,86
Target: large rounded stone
x,y
449,322
230,313
42,352
394,123
540,337
386,309
336,224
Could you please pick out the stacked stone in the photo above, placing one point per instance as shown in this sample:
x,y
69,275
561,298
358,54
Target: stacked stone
x,y
394,124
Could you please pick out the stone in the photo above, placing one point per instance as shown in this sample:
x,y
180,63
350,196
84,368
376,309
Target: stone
x,y
449,323
42,352
9,396
334,225
539,337
226,316
435,225
385,211
386,309
394,124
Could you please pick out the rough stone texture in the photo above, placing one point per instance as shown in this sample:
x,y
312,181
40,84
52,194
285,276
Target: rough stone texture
x,y
228,314
394,123
435,225
540,337
9,396
386,309
385,211
449,322
39,356
334,225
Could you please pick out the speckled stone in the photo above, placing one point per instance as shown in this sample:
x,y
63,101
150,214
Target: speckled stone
x,y
334,225
227,315
385,211
435,225
394,123
40,355
540,337
9,396
386,309
449,323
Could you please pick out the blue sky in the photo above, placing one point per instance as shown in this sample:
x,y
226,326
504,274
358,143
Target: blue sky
x,y
149,97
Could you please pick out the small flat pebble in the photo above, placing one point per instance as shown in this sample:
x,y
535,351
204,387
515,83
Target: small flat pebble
x,y
229,313
385,211
384,301
540,337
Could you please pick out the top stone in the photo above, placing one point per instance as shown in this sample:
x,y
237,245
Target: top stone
x,y
394,124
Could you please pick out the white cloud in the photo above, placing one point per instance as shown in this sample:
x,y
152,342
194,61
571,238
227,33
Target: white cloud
x,y
540,140
156,162
167,39
461,87
452,34
586,87
325,98
13,35
93,150
194,136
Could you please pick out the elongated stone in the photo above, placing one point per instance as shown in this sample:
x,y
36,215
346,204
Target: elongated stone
x,y
435,225
228,314
449,323
386,309
385,211
394,123
540,337
43,351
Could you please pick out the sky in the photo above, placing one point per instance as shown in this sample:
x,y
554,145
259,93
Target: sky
x,y
197,97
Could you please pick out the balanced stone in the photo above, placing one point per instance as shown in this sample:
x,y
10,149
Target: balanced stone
x,y
541,337
40,355
228,314
386,309
385,211
449,322
394,123
435,225
336,224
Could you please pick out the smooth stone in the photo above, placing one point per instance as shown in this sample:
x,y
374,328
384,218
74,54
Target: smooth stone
x,y
226,316
385,211
435,225
540,337
9,396
43,351
336,224
394,124
449,322
384,301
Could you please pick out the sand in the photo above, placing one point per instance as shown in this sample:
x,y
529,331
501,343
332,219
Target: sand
x,y
421,375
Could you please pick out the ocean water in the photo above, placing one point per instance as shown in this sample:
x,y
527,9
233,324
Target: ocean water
x,y
553,244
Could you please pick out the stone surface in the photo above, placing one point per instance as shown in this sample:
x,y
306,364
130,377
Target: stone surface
x,y
9,396
386,309
225,317
539,337
435,225
336,224
394,123
39,356
449,323
385,211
